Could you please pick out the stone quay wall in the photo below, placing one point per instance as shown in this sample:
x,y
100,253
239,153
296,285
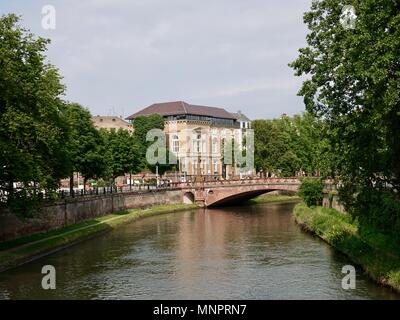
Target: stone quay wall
x,y
73,210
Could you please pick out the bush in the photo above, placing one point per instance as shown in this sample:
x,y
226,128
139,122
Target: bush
x,y
311,192
23,204
378,209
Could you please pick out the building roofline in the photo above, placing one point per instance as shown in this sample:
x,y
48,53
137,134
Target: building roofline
x,y
182,108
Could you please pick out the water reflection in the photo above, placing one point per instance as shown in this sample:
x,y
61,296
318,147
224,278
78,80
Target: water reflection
x,y
254,252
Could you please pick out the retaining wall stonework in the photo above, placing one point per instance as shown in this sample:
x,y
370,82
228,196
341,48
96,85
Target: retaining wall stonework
x,y
332,202
74,210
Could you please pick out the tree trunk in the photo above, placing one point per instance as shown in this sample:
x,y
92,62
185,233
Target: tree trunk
x,y
71,185
10,189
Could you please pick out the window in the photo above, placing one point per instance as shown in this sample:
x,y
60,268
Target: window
x,y
215,145
182,163
197,143
175,143
215,166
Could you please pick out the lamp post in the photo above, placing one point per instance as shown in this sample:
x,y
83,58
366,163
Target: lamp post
x,y
157,177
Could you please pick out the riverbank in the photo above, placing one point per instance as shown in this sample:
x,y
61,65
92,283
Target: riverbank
x,y
25,249
273,198
376,253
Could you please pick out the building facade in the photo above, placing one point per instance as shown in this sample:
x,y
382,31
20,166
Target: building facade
x,y
111,122
199,136
244,126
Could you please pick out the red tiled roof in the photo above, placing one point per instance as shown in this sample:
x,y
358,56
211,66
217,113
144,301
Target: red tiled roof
x,y
181,107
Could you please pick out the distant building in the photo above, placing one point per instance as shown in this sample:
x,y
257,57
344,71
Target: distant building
x,y
244,122
111,122
197,135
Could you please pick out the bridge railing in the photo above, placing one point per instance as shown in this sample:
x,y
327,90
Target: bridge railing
x,y
143,188
221,182
99,191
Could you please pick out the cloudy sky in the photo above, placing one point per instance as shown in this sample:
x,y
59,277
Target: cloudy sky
x,y
118,56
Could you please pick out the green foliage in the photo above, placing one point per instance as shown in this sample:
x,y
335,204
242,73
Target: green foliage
x,y
143,125
122,153
85,144
311,191
380,210
353,84
378,253
287,145
44,139
272,148
23,204
32,129
171,163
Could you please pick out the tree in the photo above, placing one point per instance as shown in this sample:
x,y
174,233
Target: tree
x,y
311,191
143,125
171,162
306,133
353,83
287,145
32,130
85,144
271,146
122,153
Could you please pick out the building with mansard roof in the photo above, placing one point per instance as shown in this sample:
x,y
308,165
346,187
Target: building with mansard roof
x,y
197,135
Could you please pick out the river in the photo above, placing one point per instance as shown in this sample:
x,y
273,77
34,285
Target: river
x,y
245,252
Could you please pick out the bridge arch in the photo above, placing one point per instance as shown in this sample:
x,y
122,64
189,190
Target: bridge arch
x,y
224,196
221,192
188,197
238,198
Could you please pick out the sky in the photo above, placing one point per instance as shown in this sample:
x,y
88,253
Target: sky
x,y
119,56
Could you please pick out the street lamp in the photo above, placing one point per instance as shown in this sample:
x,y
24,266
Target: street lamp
x,y
157,177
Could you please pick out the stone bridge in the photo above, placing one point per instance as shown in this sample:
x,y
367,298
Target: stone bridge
x,y
218,193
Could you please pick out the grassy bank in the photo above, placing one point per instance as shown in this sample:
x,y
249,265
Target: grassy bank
x,y
22,250
376,253
272,198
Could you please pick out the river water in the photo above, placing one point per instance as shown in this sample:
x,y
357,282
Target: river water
x,y
246,252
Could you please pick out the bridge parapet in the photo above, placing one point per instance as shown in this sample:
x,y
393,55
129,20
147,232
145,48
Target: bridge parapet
x,y
221,191
238,182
